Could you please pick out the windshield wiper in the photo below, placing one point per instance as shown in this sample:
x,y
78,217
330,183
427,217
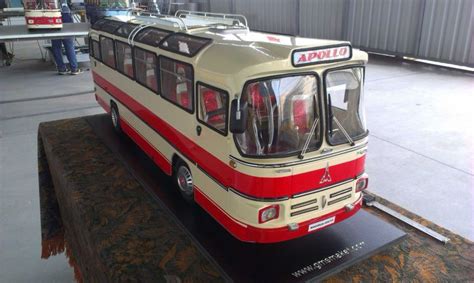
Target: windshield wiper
x,y
333,117
330,114
308,139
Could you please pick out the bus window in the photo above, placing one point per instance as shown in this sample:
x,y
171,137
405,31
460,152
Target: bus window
x,y
95,49
31,5
107,51
50,4
145,68
281,113
212,109
124,58
177,83
345,88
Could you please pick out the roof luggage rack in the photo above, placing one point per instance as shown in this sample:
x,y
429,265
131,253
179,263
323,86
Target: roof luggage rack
x,y
186,20
156,18
230,20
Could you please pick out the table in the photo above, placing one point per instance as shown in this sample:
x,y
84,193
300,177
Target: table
x,y
21,32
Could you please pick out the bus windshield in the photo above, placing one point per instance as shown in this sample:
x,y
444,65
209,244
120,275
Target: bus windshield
x,y
41,4
345,99
281,112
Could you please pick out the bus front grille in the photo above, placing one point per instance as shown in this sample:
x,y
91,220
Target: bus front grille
x,y
321,200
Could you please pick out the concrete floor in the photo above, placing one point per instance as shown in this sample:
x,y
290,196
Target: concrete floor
x,y
420,152
28,79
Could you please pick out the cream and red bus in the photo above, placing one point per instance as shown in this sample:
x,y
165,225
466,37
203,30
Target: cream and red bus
x,y
266,132
43,14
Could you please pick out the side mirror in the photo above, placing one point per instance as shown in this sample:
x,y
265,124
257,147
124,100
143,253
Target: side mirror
x,y
238,117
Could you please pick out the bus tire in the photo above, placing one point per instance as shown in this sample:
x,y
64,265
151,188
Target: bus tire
x,y
184,181
115,117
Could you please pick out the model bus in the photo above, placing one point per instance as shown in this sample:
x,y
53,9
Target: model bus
x,y
265,132
43,14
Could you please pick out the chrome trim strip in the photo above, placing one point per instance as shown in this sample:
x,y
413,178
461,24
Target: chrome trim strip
x,y
298,162
304,211
322,189
305,203
212,178
257,199
340,192
339,199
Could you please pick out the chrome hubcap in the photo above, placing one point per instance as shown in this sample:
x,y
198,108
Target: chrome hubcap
x,y
185,180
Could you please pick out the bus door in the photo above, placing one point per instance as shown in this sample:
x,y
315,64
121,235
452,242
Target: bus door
x,y
212,128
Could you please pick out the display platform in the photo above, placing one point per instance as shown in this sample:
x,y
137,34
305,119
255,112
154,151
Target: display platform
x,y
312,257
121,219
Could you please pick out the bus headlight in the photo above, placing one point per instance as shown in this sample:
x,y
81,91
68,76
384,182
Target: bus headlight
x,y
268,213
362,183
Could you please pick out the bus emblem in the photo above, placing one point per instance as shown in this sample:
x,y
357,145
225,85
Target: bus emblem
x,y
323,202
326,176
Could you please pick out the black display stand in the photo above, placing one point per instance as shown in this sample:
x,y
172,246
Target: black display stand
x,y
312,257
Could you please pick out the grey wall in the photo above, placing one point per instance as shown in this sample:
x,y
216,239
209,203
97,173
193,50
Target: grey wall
x,y
447,31
270,15
323,19
439,30
221,6
391,26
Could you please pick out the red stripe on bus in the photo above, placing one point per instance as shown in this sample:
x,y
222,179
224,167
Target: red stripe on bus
x,y
234,227
147,147
253,186
102,103
267,235
44,20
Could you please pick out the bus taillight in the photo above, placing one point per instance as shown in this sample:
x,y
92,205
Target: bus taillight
x,y
362,183
268,213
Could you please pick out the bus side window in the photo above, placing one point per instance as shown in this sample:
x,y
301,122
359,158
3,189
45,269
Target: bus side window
x,y
212,110
124,58
107,51
177,83
145,68
96,49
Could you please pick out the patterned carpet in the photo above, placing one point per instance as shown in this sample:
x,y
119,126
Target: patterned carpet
x,y
96,212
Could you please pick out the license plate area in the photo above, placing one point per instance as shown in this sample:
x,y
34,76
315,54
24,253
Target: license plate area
x,y
321,224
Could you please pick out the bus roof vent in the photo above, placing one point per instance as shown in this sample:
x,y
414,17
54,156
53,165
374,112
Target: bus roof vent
x,y
184,44
107,25
151,36
125,30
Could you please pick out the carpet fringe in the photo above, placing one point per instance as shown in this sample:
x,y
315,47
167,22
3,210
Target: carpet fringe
x,y
73,264
52,246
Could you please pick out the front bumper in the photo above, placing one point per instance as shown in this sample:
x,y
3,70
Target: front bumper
x,y
274,235
248,233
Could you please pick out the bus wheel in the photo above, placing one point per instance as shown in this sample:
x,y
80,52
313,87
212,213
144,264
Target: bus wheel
x,y
184,180
115,117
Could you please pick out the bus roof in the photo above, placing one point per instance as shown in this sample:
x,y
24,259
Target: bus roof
x,y
247,53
